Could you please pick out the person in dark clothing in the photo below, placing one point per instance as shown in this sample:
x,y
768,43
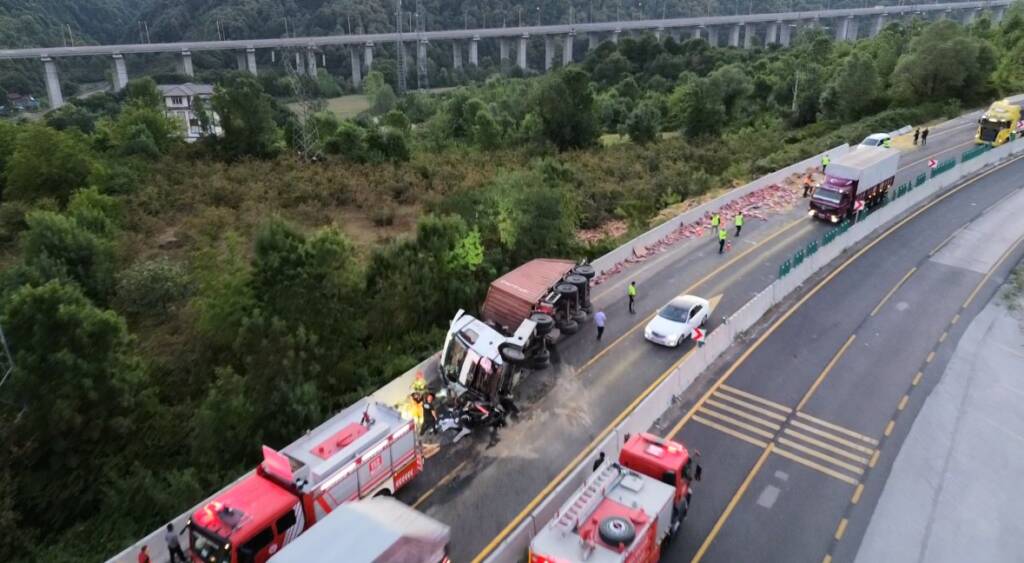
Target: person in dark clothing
x,y
808,185
429,415
924,137
173,546
598,461
917,135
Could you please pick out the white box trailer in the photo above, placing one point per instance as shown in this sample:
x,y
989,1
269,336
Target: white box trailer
x,y
374,530
859,178
868,166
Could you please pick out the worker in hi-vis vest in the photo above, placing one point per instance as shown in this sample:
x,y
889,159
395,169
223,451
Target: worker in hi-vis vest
x,y
716,221
721,239
825,161
739,222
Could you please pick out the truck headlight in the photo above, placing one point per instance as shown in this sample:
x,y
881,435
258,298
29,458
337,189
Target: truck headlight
x,y
810,213
835,219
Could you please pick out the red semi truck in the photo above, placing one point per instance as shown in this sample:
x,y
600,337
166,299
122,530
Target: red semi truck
x,y
625,511
365,450
863,174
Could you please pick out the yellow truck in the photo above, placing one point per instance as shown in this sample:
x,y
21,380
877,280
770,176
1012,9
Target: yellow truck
x,y
999,124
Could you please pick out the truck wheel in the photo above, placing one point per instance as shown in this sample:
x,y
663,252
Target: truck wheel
x,y
541,359
580,316
569,327
616,530
544,323
567,290
585,270
512,354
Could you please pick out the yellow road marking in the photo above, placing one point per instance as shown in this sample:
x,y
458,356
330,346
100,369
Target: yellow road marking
x,y
753,397
917,378
856,493
579,457
739,423
956,318
824,457
931,356
690,289
889,427
816,466
824,372
943,337
874,458
743,414
732,504
892,291
730,431
903,402
991,271
765,412
444,481
947,239
841,530
826,446
834,438
838,428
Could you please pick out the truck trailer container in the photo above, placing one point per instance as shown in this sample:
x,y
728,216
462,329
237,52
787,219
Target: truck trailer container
x,y
864,174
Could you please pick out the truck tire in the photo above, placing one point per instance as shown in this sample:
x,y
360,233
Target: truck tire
x,y
616,530
544,323
568,291
541,359
569,327
580,316
512,354
585,270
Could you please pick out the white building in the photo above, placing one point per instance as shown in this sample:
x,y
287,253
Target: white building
x,y
180,104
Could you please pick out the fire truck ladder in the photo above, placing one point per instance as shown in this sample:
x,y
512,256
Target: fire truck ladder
x,y
592,495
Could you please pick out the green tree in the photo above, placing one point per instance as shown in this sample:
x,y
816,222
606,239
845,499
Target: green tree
x,y
733,84
536,216
644,123
8,142
72,116
75,379
57,247
942,63
853,88
144,130
397,120
698,107
152,287
247,118
380,94
612,69
486,132
349,142
143,92
47,163
565,105
387,144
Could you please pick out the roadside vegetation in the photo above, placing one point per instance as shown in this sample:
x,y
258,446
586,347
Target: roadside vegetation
x,y
171,307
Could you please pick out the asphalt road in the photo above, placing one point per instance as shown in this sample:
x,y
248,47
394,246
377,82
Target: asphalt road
x,y
481,491
798,432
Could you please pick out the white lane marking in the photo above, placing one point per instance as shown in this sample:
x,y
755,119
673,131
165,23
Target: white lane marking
x,y
768,496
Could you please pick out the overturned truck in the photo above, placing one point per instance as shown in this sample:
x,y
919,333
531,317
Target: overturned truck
x,y
526,311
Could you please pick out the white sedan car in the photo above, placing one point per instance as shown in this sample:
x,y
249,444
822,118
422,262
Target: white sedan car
x,y
676,321
876,140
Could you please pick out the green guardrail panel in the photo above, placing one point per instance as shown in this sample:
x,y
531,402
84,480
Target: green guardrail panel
x,y
921,178
798,258
975,152
812,247
944,166
784,268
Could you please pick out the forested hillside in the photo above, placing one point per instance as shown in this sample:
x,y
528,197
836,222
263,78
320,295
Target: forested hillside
x,y
170,307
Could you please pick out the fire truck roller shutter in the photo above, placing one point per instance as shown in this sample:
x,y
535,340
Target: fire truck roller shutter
x,y
616,530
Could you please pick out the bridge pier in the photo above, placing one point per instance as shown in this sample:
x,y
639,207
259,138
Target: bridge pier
x,y
748,36
185,63
521,55
52,83
968,16
120,73
658,32
852,28
998,13
734,35
696,33
368,55
250,59
311,63
421,61
300,68
771,34
474,50
785,30
503,51
567,47
878,24
842,27
615,36
593,40
240,60
456,55
713,36
357,68
549,52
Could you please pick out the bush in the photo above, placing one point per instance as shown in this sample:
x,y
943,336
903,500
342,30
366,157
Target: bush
x,y
152,287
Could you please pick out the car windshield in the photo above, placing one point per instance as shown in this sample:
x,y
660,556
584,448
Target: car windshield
x,y
456,353
870,142
825,194
208,546
674,314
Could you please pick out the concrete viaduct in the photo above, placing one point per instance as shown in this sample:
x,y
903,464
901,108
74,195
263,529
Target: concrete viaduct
x,y
737,30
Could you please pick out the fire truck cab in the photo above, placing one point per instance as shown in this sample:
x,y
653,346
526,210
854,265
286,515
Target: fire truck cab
x,y
366,450
625,511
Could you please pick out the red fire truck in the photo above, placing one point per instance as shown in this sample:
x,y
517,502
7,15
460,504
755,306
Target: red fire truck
x,y
625,511
366,450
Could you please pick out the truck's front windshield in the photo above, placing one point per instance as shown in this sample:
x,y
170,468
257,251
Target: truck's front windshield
x,y
826,194
451,364
209,546
990,130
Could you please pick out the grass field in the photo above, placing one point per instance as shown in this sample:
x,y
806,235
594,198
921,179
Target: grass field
x,y
344,106
610,139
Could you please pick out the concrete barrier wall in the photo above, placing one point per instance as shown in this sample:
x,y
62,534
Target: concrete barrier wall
x,y
514,547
